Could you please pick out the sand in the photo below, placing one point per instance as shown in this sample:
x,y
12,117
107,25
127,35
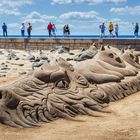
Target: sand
x,y
122,124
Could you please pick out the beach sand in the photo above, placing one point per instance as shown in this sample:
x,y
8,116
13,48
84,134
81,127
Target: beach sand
x,y
122,124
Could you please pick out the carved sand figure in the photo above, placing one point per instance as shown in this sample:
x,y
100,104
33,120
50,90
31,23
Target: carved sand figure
x,y
87,54
61,49
130,57
61,90
106,66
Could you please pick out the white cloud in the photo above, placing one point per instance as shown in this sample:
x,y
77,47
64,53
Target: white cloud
x,y
15,3
9,11
13,25
120,21
126,10
87,1
11,7
35,17
76,20
61,1
91,15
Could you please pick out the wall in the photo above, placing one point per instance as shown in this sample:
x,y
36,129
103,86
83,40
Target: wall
x,y
50,43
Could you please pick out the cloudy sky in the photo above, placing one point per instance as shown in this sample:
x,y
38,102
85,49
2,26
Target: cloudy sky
x,y
83,16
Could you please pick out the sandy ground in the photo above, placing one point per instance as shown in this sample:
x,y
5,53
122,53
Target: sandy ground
x,y
122,124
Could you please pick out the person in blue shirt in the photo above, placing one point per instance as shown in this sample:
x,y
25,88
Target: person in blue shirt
x,y
4,28
54,29
102,30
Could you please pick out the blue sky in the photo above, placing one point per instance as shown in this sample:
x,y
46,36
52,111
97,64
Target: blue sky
x,y
83,16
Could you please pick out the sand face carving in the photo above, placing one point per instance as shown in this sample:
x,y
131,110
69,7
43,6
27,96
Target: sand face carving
x,y
130,57
106,66
61,90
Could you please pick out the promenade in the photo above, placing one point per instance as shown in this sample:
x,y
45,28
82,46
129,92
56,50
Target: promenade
x,y
72,43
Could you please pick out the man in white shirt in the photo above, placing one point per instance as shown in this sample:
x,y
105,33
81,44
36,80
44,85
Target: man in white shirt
x,y
22,30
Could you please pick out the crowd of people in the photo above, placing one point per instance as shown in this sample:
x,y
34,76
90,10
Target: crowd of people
x,y
113,29
50,27
23,28
52,30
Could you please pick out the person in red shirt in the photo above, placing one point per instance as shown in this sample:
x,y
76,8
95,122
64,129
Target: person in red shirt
x,y
29,29
49,27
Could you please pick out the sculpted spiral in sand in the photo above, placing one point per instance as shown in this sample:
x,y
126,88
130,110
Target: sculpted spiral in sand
x,y
61,90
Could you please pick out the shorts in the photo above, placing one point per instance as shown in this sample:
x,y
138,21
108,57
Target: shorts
x,y
102,31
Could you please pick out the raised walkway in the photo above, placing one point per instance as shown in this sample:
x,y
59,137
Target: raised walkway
x,y
50,43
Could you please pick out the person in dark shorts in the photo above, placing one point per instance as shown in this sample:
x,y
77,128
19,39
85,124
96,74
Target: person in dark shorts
x,y
102,30
110,28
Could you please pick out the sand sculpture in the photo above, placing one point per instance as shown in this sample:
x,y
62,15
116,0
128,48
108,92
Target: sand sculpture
x,y
61,90
61,49
87,54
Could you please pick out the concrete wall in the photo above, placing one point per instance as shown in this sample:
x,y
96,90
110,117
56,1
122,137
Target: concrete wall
x,y
50,43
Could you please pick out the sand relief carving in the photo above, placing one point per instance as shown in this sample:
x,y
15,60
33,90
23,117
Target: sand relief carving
x,y
61,90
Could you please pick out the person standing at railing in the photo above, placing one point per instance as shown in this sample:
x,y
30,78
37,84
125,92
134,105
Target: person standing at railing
x,y
22,30
4,28
102,30
49,27
29,29
54,30
136,30
110,28
116,28
66,30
